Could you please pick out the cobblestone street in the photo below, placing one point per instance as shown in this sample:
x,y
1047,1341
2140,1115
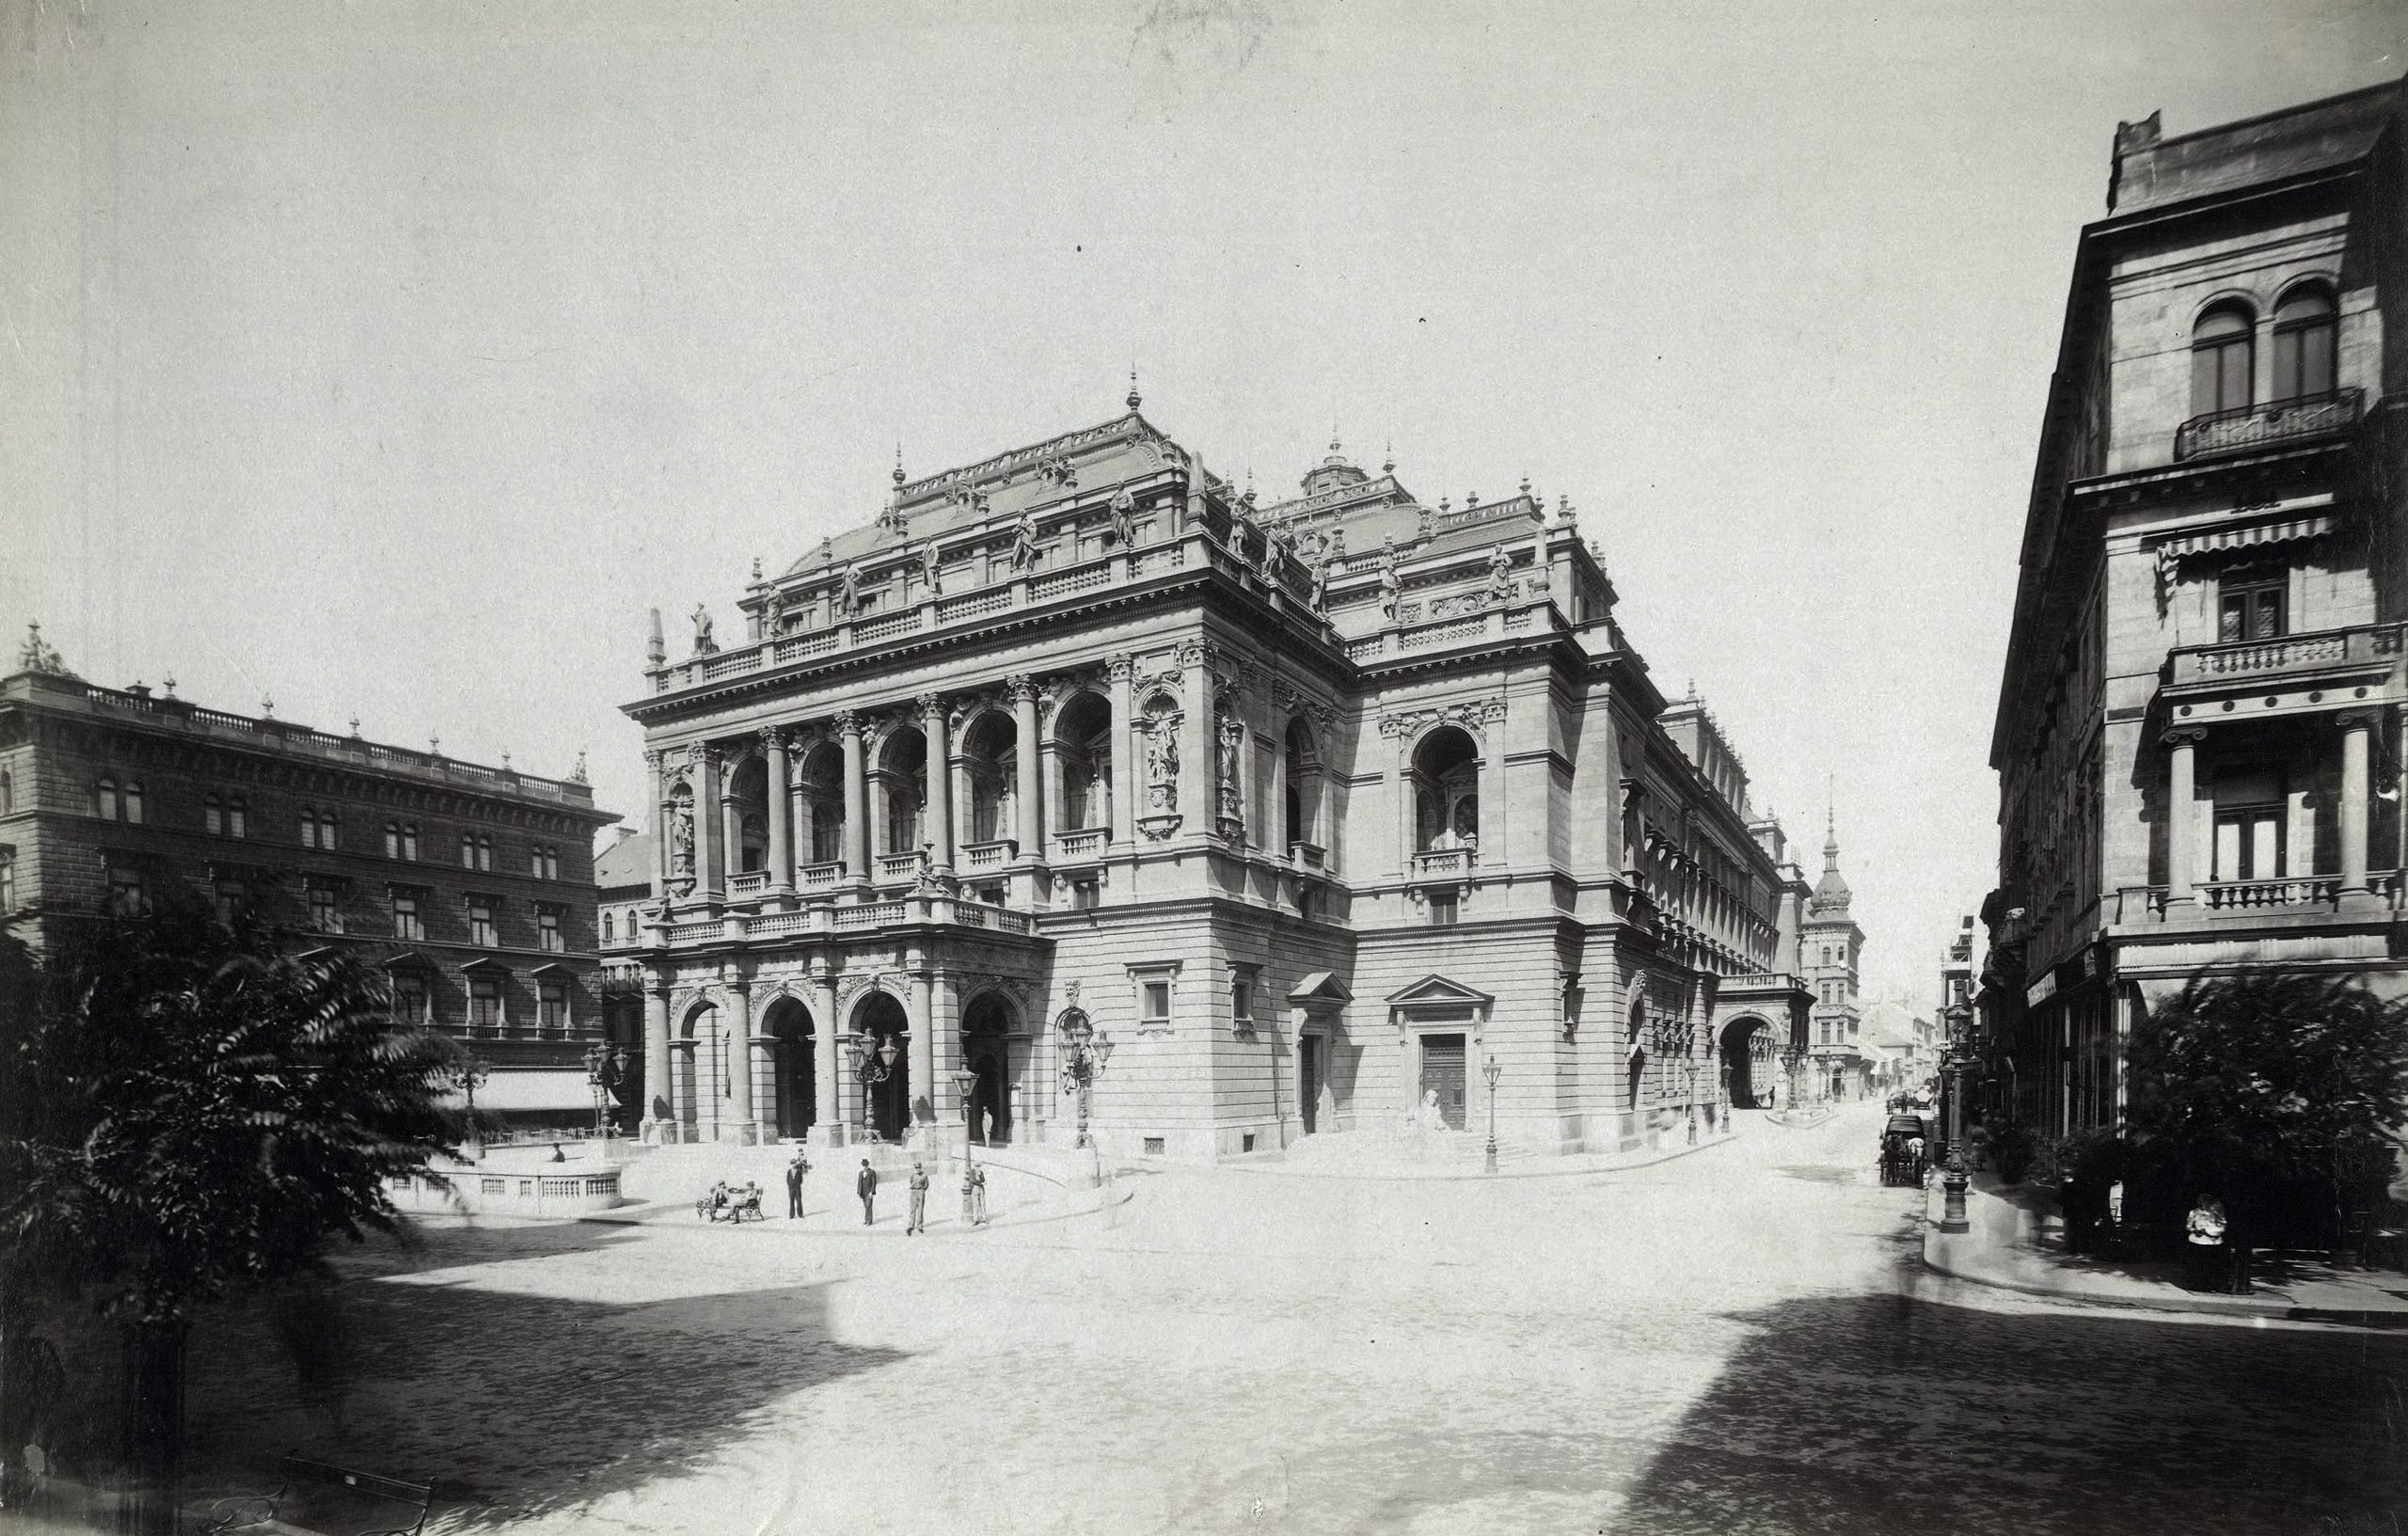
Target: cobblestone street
x,y
1736,1341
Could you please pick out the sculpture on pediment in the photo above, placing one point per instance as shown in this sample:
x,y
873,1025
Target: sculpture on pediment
x,y
1388,585
1025,542
849,589
1124,518
1500,576
703,644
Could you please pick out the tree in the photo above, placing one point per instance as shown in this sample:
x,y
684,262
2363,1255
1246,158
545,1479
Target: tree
x,y
187,1110
2266,1083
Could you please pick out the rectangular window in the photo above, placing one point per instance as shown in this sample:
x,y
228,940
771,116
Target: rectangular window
x,y
409,842
547,931
2251,609
1086,895
468,851
392,841
326,830
7,879
551,1007
535,862
409,999
2249,843
481,924
407,923
228,898
212,817
551,864
237,820
1157,1001
308,828
325,915
485,1003
1443,910
1242,1000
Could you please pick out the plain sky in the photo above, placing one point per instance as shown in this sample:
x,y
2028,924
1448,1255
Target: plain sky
x,y
391,360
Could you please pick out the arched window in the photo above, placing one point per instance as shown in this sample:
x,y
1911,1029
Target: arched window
x,y
2304,333
2223,354
609,928
1445,775
104,799
326,824
409,842
392,840
309,827
133,801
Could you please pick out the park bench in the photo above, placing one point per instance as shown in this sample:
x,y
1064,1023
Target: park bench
x,y
259,1512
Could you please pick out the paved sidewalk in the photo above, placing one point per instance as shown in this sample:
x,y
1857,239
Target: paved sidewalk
x,y
2016,1241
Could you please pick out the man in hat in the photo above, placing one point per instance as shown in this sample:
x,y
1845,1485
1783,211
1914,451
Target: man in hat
x,y
865,1185
795,1170
919,1221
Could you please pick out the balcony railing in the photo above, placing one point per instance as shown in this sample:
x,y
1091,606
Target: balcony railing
x,y
1437,863
2295,893
1084,844
900,868
995,853
1306,855
2259,426
750,883
825,877
2368,644
822,918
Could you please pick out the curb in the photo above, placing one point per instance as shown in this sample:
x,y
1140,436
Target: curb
x,y
2195,1305
1274,1171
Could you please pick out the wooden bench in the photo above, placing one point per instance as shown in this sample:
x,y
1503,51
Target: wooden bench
x,y
258,1512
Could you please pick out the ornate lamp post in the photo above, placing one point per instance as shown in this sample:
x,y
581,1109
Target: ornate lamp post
x,y
1492,1069
606,1067
1085,1049
1953,1182
870,1068
964,1080
468,1073
1693,1077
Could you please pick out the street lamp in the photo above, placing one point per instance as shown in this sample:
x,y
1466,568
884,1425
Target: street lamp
x,y
1953,1182
1085,1049
1693,1077
605,1068
964,1080
1492,1069
870,1068
467,1073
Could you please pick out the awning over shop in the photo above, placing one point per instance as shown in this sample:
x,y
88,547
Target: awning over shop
x,y
531,1088
2217,540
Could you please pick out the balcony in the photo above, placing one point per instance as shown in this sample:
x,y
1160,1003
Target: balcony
x,y
900,868
2294,894
1308,856
2251,427
1442,864
1079,846
997,853
751,883
2325,661
823,919
823,878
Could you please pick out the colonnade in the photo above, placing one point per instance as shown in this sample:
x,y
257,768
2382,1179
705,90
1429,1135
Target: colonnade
x,y
2184,839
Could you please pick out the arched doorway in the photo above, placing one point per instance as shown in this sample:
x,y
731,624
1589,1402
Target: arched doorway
x,y
698,1073
793,1073
880,1022
1445,782
1747,1043
987,1025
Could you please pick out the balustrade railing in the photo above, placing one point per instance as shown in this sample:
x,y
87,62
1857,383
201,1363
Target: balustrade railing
x,y
2367,643
900,868
751,882
2258,426
825,877
2246,896
1086,843
1435,861
990,855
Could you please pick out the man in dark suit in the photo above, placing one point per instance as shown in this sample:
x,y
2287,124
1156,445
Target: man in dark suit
x,y
865,1185
795,1170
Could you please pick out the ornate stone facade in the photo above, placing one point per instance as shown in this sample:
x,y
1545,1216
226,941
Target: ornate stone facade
x,y
1079,746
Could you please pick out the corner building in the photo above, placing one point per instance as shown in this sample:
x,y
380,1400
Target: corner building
x,y
2199,731
1307,811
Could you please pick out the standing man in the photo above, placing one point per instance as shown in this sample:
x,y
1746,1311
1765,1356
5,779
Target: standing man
x,y
865,1185
795,1170
978,1195
919,1221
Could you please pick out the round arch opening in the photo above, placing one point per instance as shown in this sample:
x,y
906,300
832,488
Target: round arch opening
x,y
878,1022
986,1027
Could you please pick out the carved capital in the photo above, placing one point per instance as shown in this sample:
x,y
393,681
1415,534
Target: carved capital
x,y
1021,688
931,705
1120,667
2188,735
2358,718
776,738
850,722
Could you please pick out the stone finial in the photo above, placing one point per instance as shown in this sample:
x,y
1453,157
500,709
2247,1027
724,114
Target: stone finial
x,y
1387,459
898,461
577,774
434,746
756,570
656,650
170,683
267,708
355,725
1134,398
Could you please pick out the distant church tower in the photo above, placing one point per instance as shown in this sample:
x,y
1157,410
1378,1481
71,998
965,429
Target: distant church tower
x,y
1832,947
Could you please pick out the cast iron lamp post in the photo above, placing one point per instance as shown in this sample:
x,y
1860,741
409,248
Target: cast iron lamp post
x,y
964,1080
467,1075
1692,1076
1952,1182
605,1068
870,1068
1085,1051
1492,1071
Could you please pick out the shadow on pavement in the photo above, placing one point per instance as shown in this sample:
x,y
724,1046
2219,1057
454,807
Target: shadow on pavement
x,y
516,1404
1889,1414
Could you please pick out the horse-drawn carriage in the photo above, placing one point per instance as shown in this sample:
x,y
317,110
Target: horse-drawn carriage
x,y
740,1204
1905,1149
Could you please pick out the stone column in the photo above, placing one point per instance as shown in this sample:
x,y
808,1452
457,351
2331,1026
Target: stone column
x,y
659,1085
922,1057
827,1108
1124,749
1199,752
2357,730
940,807
2181,815
710,873
848,728
657,765
1031,831
740,1057
781,812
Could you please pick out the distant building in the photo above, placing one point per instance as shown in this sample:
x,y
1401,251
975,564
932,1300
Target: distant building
x,y
1308,812
1832,948
2199,731
623,889
471,886
1900,1045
